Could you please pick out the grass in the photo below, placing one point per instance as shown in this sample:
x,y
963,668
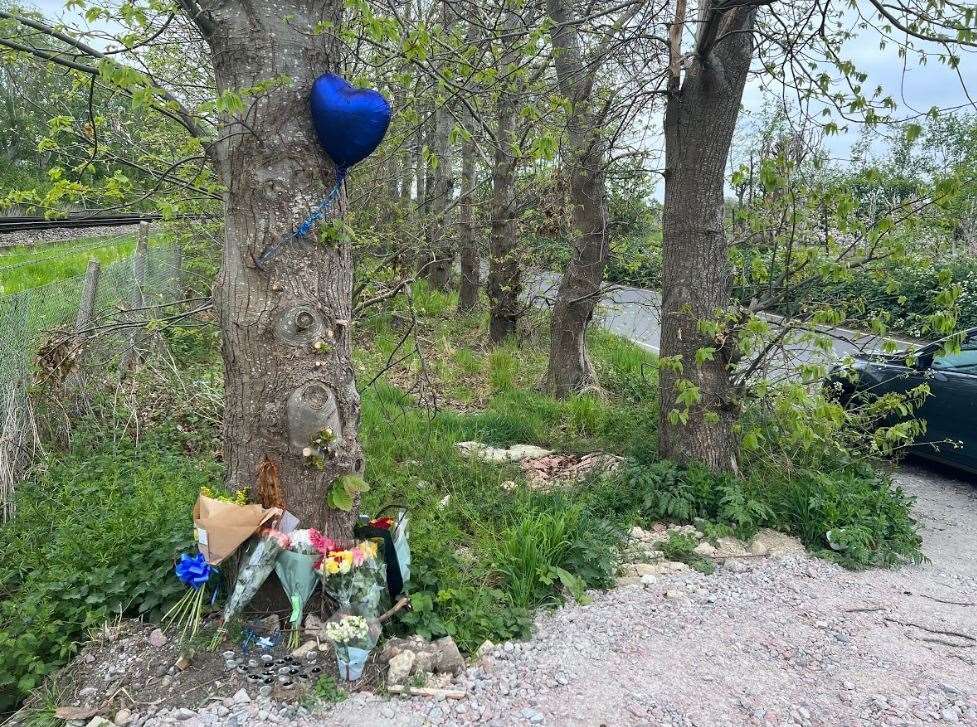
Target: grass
x,y
324,691
99,524
29,266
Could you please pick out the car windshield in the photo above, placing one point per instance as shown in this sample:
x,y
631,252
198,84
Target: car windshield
x,y
964,360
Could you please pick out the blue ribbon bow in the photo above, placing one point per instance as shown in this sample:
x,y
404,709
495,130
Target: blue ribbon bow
x,y
193,570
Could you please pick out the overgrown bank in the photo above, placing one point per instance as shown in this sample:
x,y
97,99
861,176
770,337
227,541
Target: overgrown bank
x,y
99,524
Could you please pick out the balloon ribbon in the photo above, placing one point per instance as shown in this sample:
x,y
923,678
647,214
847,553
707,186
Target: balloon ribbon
x,y
274,249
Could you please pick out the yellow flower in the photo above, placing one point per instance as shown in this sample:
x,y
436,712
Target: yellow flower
x,y
331,566
347,561
370,548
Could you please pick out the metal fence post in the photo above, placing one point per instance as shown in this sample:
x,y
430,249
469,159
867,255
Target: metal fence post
x,y
137,299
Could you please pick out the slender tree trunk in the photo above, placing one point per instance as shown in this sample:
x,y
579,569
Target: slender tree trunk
x,y
406,177
700,119
504,283
442,244
504,278
424,183
393,177
467,245
569,367
280,391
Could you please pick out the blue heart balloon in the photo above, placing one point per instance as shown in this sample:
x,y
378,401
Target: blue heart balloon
x,y
349,122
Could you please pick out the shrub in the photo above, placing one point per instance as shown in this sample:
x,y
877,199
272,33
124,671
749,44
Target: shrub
x,y
533,554
869,518
905,296
95,536
681,547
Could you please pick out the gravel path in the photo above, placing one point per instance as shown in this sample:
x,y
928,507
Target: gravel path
x,y
57,234
794,641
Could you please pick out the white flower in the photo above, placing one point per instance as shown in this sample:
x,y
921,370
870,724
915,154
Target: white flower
x,y
347,630
301,542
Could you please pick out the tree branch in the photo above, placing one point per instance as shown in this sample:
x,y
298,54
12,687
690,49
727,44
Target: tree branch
x,y
180,114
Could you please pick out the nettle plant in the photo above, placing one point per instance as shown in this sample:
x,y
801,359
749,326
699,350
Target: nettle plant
x,y
800,228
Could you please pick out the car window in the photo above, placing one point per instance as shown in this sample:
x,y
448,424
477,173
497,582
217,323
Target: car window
x,y
964,361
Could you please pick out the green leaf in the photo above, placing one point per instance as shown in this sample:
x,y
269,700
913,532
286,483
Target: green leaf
x,y
339,499
353,484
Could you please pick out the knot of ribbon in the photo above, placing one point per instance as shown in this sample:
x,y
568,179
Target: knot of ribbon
x,y
193,570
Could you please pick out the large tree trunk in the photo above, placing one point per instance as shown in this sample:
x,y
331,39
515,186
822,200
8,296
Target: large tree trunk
x,y
504,278
700,118
569,367
285,332
467,244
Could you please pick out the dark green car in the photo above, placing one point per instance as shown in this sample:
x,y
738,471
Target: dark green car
x,y
950,411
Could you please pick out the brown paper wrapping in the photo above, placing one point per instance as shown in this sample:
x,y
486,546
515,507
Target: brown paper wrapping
x,y
222,526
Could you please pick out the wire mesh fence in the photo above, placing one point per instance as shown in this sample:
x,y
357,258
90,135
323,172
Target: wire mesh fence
x,y
110,301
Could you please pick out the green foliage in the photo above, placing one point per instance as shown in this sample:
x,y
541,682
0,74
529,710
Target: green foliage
x,y
905,297
868,514
680,547
344,490
464,520
95,535
324,691
533,554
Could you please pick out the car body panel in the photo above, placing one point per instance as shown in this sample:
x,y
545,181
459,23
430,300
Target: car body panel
x,y
950,411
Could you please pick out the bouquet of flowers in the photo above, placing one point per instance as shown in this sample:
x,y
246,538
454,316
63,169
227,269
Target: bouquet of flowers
x,y
195,572
353,638
296,570
254,572
355,577
393,531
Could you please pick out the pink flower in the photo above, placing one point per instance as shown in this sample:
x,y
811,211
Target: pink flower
x,y
358,556
320,542
278,535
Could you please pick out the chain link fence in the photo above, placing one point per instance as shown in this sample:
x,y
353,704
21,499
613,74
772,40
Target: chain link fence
x,y
96,316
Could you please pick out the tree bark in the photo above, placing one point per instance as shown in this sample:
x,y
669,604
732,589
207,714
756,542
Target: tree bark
x,y
288,373
700,118
504,283
441,243
569,368
504,278
424,182
467,245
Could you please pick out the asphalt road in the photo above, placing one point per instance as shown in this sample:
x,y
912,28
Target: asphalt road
x,y
635,314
